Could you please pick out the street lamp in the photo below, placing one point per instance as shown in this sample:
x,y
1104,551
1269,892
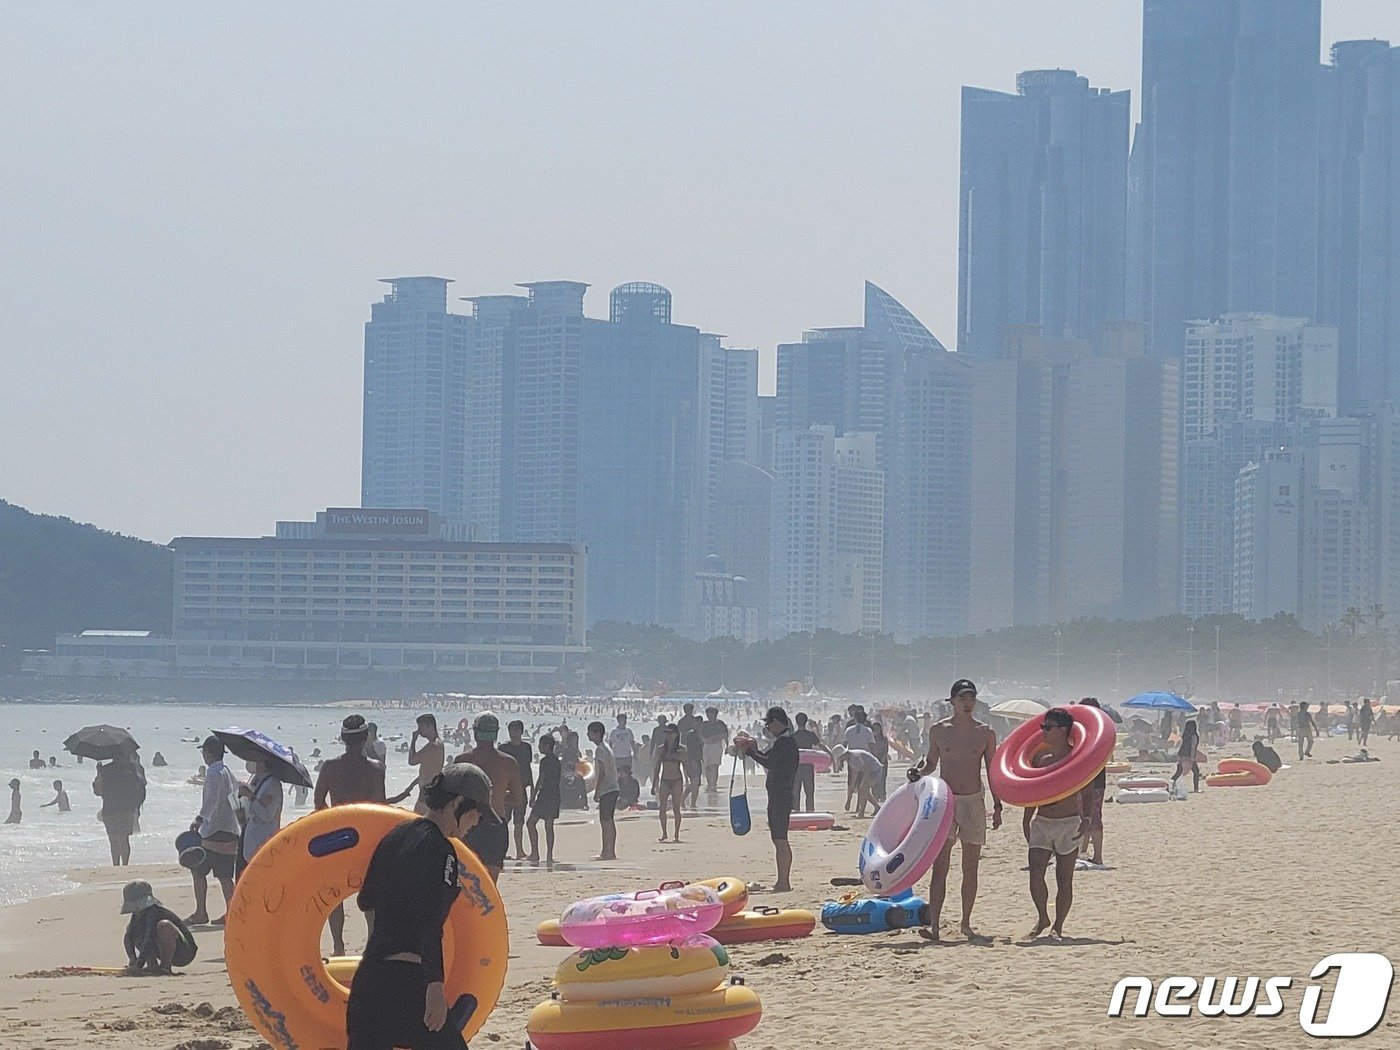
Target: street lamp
x,y
1118,672
1057,659
1191,651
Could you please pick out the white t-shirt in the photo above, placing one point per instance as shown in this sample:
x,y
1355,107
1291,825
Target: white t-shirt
x,y
622,742
859,737
863,762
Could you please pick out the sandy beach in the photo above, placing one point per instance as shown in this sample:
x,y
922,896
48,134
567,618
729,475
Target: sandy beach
x,y
1250,881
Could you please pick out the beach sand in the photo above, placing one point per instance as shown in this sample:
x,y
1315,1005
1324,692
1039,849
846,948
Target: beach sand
x,y
1245,881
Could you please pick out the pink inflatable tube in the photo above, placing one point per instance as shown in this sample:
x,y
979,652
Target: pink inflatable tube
x,y
904,838
621,920
820,761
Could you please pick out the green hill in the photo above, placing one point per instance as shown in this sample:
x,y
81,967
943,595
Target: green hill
x,y
58,576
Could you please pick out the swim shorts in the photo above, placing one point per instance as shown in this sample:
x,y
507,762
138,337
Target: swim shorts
x,y
1059,835
489,842
970,819
607,806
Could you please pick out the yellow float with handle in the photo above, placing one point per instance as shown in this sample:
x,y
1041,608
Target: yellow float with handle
x,y
664,1023
272,942
733,893
697,964
765,924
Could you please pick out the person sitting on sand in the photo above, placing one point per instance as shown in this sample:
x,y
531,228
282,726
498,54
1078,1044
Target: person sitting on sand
x,y
545,801
397,998
781,760
1266,756
959,748
158,761
1055,830
15,814
157,940
668,777
60,798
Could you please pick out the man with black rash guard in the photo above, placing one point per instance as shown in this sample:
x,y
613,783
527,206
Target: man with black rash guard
x,y
397,998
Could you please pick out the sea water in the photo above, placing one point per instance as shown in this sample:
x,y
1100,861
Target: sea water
x,y
37,854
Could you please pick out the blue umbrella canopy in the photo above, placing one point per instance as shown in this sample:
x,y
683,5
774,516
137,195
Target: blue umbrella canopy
x,y
1160,702
253,746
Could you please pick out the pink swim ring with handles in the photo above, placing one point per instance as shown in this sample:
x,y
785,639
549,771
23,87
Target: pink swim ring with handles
x,y
673,912
1015,779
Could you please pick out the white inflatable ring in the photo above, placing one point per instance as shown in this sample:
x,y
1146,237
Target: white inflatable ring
x,y
1143,795
904,838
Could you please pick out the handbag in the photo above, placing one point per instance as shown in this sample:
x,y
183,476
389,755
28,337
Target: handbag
x,y
739,819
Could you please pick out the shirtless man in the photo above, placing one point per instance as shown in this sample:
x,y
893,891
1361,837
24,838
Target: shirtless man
x,y
959,748
428,758
1056,829
490,842
352,777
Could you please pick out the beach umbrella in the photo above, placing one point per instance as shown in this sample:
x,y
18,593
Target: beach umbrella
x,y
1020,708
253,746
1160,702
101,743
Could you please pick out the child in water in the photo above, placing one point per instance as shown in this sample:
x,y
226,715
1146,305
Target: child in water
x,y
60,798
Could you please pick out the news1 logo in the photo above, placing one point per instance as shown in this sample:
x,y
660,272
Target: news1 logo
x,y
1359,996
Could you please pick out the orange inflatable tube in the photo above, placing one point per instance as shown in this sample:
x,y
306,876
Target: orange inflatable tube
x,y
272,943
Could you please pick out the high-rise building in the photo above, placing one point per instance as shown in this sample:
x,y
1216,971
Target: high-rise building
x,y
1341,518
639,457
1042,231
1378,277
826,561
1180,201
414,430
1273,161
1268,537
1345,97
1251,384
1074,481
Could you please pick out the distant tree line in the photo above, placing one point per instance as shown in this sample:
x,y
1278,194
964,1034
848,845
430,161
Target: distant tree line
x,y
58,576
1257,660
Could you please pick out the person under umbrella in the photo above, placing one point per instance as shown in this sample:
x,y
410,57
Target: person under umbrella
x,y
264,813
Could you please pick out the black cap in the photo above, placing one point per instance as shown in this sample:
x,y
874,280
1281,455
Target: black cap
x,y
777,714
213,744
962,685
468,781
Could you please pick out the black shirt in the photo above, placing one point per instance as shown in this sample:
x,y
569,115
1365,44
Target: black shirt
x,y
781,761
806,739
410,886
523,754
140,940
549,779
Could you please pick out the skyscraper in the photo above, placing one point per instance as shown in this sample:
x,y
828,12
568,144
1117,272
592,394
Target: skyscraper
x,y
639,462
1268,536
1345,96
1274,93
1043,210
827,531
1378,277
1180,204
414,429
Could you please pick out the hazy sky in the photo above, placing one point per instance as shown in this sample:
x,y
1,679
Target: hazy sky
x,y
196,202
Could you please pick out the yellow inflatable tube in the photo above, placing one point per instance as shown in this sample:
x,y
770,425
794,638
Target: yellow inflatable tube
x,y
590,975
272,942
665,1023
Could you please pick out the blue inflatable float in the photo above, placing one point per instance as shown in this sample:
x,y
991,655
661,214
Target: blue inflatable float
x,y
875,914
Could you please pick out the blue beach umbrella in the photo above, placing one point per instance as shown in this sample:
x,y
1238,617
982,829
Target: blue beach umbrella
x,y
253,746
1160,702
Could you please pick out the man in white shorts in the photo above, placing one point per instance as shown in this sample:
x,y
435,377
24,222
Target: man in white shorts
x,y
1056,829
959,748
